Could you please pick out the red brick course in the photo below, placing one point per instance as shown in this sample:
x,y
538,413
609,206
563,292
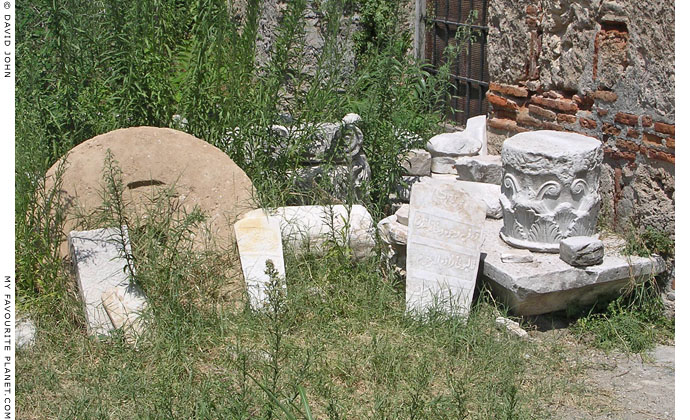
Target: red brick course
x,y
610,129
541,112
517,91
563,105
632,133
524,119
566,118
583,102
516,109
501,102
625,118
605,95
659,155
651,139
505,124
588,123
660,127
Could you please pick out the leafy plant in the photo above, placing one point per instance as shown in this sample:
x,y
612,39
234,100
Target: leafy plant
x,y
648,241
634,322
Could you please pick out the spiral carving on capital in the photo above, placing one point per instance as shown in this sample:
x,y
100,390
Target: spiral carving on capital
x,y
550,189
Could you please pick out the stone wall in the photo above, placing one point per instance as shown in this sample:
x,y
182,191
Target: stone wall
x,y
605,69
316,30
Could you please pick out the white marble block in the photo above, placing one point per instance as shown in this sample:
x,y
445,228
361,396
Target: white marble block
x,y
476,127
485,169
259,240
517,256
444,236
313,228
100,265
550,188
582,251
443,164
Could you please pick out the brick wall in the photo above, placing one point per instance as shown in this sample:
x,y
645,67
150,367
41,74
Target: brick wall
x,y
602,69
625,135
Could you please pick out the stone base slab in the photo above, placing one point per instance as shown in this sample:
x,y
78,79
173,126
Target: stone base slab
x,y
548,284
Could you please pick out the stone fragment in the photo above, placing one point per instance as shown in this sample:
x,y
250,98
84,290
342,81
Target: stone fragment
x,y
547,283
476,128
280,131
258,241
396,205
330,142
461,143
403,214
517,256
511,326
352,119
443,164
118,313
24,332
153,160
392,232
582,251
179,122
417,162
339,180
101,268
487,169
550,188
315,228
394,238
444,236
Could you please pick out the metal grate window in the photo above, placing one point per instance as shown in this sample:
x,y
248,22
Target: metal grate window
x,y
469,72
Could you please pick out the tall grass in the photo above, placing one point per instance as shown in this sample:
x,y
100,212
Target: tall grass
x,y
339,344
89,68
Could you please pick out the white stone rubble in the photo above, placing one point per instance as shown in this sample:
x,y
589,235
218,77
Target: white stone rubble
x,y
517,256
98,257
511,326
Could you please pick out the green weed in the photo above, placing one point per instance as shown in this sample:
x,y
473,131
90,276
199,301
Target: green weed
x,y
634,322
339,344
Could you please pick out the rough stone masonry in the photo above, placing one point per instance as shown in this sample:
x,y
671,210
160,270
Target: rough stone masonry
x,y
601,68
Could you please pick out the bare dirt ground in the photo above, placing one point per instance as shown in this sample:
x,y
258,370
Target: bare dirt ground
x,y
631,387
616,385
